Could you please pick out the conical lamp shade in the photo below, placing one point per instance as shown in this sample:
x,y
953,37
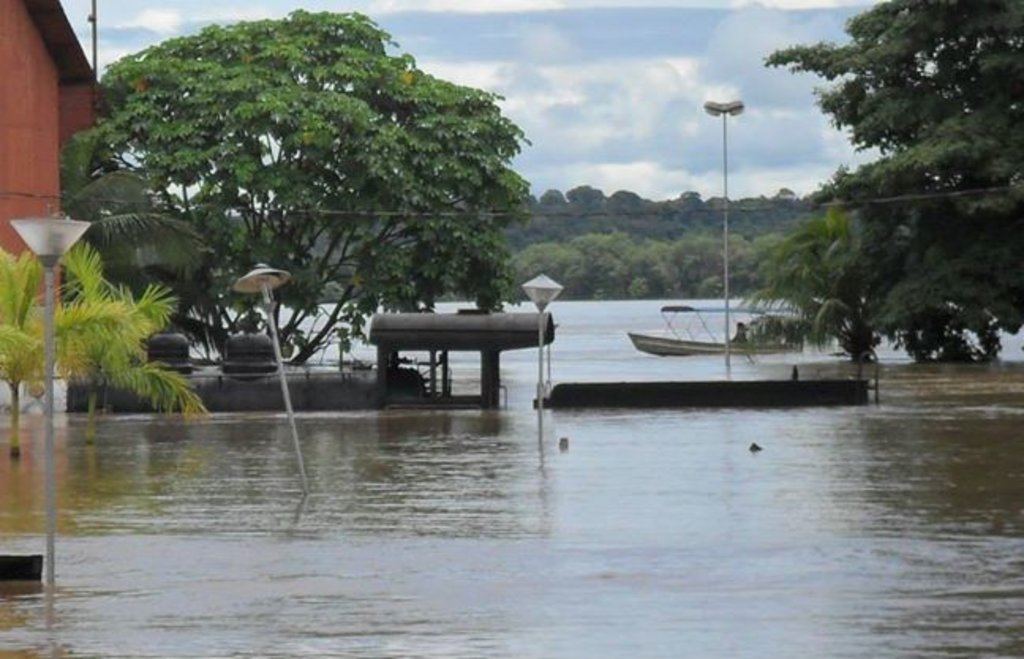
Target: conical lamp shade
x,y
260,276
542,290
49,237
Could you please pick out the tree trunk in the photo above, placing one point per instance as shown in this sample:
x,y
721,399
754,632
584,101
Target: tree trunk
x,y
15,419
90,421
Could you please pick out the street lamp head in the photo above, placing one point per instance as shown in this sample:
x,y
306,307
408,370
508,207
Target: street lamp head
x,y
542,290
260,277
49,237
732,108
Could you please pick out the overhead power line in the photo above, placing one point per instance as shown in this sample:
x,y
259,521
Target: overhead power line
x,y
736,206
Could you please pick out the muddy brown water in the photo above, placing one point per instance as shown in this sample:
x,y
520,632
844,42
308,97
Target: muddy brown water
x,y
888,530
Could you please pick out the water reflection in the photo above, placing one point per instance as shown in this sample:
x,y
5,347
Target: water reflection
x,y
406,472
859,532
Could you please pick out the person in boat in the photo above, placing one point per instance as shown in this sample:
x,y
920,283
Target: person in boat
x,y
741,333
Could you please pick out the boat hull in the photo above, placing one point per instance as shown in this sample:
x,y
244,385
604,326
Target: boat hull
x,y
664,346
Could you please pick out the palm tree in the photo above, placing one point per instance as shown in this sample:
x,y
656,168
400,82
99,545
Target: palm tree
x,y
100,331
21,330
94,356
128,228
817,273
21,350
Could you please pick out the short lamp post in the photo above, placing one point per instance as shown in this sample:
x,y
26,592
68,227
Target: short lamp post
x,y
262,280
725,110
49,238
542,290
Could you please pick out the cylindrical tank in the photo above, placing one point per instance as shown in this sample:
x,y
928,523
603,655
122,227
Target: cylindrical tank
x,y
249,354
171,350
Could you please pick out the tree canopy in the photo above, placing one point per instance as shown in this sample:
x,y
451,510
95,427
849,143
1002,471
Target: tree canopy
x,y
306,144
937,88
558,217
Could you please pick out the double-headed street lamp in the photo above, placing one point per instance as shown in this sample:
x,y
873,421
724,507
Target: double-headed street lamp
x,y
725,110
542,290
262,280
49,238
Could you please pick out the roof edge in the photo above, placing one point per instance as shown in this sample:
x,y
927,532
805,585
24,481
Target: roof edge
x,y
61,41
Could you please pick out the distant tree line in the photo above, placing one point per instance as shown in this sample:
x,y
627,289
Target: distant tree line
x,y
628,247
616,266
558,217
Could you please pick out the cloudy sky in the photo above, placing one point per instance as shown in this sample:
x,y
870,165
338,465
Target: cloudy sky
x,y
609,94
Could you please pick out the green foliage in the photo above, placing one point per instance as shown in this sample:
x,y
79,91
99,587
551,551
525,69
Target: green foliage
x,y
137,240
559,218
616,266
627,247
938,89
116,352
304,144
100,331
21,331
818,275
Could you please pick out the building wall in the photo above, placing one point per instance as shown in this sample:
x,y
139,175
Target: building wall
x,y
77,103
30,123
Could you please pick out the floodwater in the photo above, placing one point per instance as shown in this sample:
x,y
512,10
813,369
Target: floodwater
x,y
888,530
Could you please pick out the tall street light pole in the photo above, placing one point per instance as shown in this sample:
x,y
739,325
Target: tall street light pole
x,y
262,280
541,290
49,238
725,110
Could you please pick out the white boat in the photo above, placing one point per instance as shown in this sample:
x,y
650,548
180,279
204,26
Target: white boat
x,y
682,340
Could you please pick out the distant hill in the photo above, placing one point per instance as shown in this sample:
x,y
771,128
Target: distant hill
x,y
558,217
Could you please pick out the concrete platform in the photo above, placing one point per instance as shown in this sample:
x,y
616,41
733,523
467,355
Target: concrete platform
x,y
311,391
716,394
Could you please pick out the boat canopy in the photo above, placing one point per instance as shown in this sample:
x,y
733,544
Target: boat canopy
x,y
758,311
459,331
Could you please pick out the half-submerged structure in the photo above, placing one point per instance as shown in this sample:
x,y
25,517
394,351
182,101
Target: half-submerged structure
x,y
438,335
246,380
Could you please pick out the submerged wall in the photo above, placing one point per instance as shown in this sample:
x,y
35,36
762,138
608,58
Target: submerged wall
x,y
310,391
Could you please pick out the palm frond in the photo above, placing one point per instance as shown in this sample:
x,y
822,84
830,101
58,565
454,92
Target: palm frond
x,y
84,268
168,391
14,340
20,279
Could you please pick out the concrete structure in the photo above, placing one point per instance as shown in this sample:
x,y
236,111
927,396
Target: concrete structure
x,y
46,95
247,379
438,334
718,394
312,390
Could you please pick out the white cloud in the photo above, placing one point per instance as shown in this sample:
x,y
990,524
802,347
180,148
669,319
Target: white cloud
x,y
602,108
161,21
482,75
235,14
471,6
544,43
495,6
650,180
801,4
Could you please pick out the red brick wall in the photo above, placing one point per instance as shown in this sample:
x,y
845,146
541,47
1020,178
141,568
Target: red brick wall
x,y
32,122
76,109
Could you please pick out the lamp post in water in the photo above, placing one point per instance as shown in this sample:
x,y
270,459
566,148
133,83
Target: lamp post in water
x,y
262,280
542,290
49,238
725,110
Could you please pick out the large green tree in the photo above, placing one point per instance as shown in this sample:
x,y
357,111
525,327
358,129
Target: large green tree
x,y
306,144
937,88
